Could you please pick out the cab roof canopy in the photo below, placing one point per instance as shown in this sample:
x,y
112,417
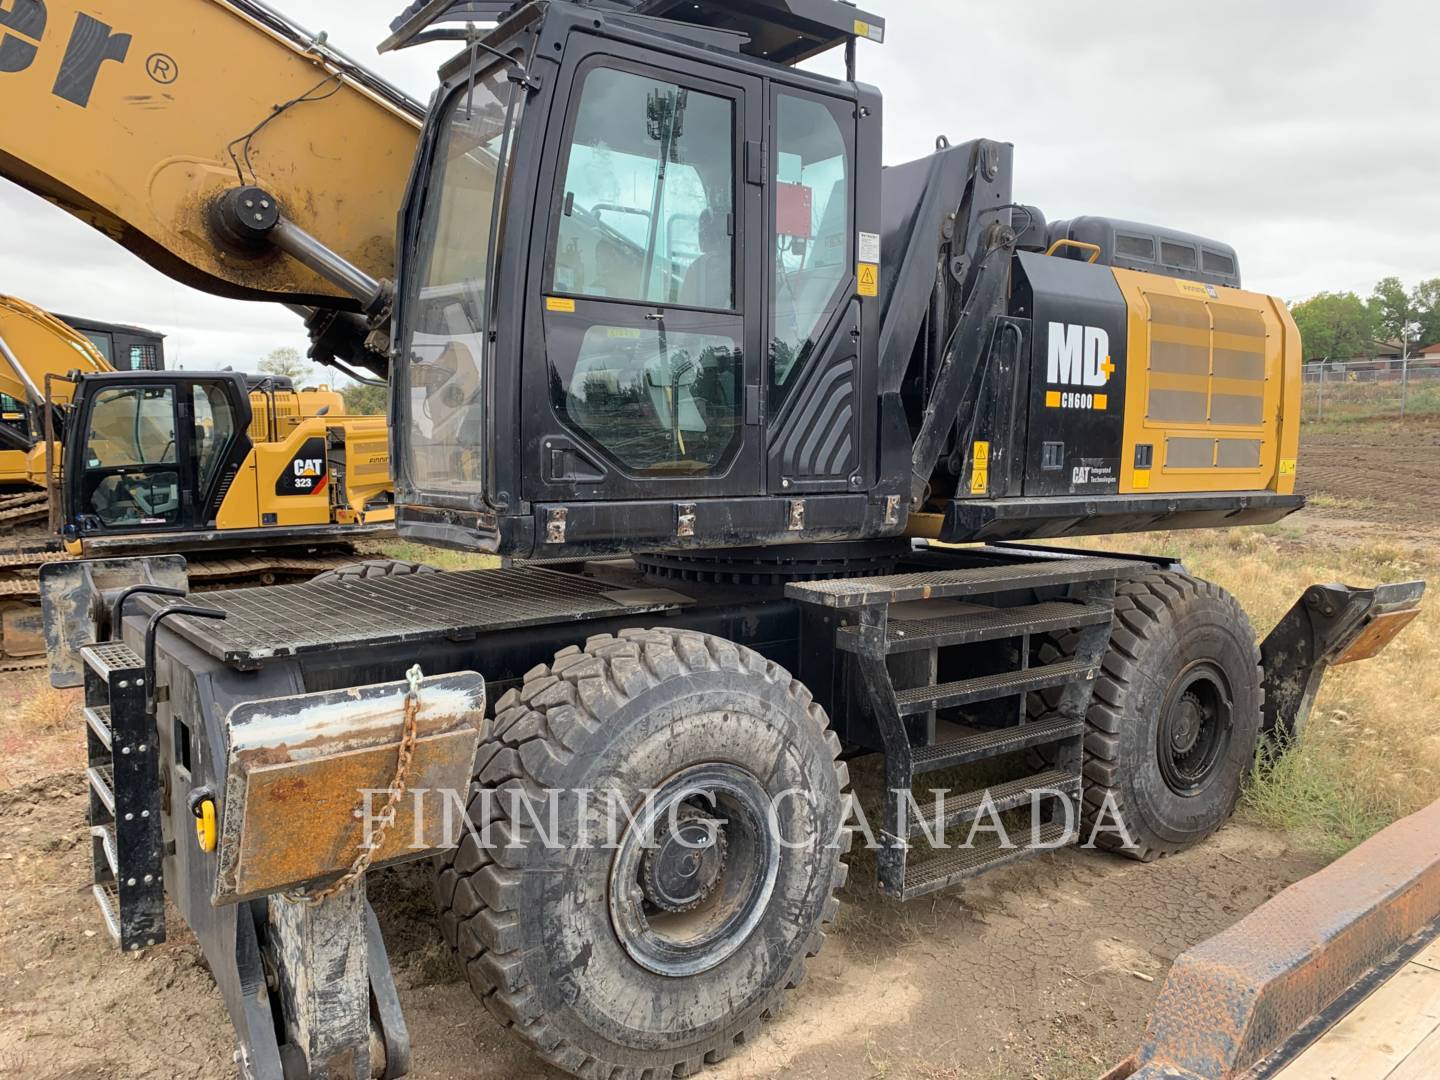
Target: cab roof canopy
x,y
782,31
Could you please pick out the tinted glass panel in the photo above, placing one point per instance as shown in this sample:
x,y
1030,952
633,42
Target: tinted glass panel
x,y
133,426
214,428
440,379
648,203
812,233
661,402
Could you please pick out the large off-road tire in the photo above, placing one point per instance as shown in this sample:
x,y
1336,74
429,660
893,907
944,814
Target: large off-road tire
x,y
371,569
1175,719
560,940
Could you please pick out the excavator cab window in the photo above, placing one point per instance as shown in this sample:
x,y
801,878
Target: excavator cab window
x,y
814,171
132,473
214,431
439,387
647,218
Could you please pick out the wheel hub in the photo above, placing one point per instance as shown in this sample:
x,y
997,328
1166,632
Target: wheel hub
x,y
681,872
1196,722
1188,725
689,885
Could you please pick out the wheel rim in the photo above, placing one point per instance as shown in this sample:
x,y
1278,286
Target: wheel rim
x,y
694,871
1195,728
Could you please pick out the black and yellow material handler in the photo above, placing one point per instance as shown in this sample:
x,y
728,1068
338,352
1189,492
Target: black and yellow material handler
x,y
254,480
767,431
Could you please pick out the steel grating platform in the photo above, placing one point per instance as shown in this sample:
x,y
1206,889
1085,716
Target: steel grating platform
x,y
291,620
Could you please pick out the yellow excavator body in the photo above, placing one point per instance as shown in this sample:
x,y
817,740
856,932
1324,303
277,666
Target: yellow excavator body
x,y
169,121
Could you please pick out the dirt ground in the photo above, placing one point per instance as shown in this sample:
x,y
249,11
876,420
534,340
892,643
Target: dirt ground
x,y
1382,475
1042,972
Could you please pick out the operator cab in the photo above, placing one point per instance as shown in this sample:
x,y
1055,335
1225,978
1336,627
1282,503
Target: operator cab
x,y
686,342
152,451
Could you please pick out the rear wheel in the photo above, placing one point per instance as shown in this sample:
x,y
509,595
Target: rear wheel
x,y
645,943
1175,720
371,569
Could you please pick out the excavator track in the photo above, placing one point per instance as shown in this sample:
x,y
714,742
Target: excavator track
x,y
24,508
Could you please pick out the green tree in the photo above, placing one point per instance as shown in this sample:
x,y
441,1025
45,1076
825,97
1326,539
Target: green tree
x,y
1396,316
287,363
363,400
1334,326
1427,307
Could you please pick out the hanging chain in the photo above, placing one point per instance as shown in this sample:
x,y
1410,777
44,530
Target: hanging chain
x,y
387,816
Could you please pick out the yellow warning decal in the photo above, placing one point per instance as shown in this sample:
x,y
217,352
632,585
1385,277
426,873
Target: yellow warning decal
x,y
866,30
1142,479
1287,466
559,303
980,473
869,277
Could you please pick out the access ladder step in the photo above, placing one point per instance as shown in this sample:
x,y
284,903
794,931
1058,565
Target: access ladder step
x,y
982,624
952,584
965,808
950,867
98,717
102,782
104,835
105,658
922,699
992,744
107,895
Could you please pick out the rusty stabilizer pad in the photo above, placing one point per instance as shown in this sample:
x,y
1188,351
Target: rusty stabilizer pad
x,y
1235,999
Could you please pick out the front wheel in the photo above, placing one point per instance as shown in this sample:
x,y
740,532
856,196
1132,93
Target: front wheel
x,y
1175,720
665,841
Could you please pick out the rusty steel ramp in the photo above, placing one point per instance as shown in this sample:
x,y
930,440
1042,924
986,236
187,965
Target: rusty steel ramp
x,y
1246,1004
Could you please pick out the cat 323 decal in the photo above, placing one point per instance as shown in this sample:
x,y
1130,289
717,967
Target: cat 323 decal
x,y
308,472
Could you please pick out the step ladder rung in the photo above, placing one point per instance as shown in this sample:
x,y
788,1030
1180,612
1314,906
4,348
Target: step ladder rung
x,y
947,868
922,699
106,657
107,895
102,782
98,717
106,835
988,624
971,581
965,808
992,744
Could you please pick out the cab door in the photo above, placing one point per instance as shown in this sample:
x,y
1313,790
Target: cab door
x,y
152,455
125,468
651,321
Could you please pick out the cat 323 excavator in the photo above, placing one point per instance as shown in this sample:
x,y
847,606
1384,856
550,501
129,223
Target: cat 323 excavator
x,y
254,480
765,432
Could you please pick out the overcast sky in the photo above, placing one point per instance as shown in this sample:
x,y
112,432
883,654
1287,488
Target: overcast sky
x,y
1304,132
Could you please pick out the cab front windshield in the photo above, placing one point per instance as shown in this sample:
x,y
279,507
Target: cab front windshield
x,y
439,384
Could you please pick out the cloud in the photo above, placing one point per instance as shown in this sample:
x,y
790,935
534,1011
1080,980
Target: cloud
x,y
1302,133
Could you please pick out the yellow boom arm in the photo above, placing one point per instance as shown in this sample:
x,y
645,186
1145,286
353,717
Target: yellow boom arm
x,y
34,344
136,117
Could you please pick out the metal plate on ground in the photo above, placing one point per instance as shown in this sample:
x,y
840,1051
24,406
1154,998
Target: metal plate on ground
x,y
291,620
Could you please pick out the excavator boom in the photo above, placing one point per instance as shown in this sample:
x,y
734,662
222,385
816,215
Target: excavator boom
x,y
137,117
34,344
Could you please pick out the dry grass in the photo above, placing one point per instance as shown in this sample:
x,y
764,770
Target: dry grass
x,y
1371,752
439,557
40,709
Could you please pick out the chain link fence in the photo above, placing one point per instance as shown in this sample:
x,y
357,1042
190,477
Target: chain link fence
x,y
1342,390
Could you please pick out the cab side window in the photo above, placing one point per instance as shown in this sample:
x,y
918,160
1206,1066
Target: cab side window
x,y
648,211
813,225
